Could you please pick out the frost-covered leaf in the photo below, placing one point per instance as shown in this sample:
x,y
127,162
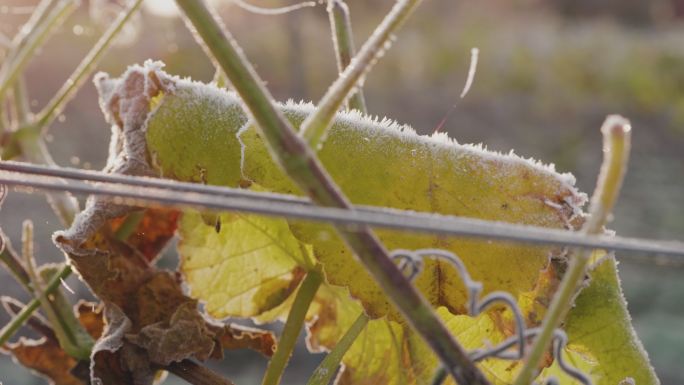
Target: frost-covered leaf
x,y
599,326
196,132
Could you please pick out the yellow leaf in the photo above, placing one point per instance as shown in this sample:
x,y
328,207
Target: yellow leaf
x,y
252,265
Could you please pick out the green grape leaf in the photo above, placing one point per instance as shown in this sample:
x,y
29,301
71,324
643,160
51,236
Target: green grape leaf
x,y
196,132
599,325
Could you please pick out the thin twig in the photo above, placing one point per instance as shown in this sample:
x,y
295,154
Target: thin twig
x,y
13,263
8,330
22,36
66,334
343,41
616,141
85,68
316,125
33,40
272,11
167,193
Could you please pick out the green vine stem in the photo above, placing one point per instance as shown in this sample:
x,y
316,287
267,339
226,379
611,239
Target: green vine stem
x,y
301,164
616,141
34,150
293,326
328,367
28,43
343,41
21,36
22,111
9,258
8,330
85,68
316,125
36,322
69,334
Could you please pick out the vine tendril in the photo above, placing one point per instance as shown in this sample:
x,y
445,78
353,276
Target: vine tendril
x,y
411,262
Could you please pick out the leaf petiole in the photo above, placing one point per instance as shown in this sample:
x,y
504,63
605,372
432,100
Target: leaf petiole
x,y
293,326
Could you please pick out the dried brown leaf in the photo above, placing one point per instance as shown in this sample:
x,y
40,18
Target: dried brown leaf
x,y
153,232
46,357
242,337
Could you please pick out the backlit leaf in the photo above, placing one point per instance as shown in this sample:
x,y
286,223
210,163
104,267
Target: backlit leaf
x,y
196,132
252,265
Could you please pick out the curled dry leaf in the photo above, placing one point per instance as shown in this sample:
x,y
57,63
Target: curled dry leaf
x,y
242,337
149,321
152,233
46,357
90,315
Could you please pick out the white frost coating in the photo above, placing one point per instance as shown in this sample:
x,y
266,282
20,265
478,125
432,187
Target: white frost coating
x,y
243,147
112,337
635,341
375,127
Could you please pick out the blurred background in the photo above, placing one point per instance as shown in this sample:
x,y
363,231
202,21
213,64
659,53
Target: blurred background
x,y
549,72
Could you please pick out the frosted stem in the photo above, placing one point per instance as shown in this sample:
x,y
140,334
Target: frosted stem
x,y
28,43
293,327
343,41
8,331
313,129
85,68
13,264
65,331
616,141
